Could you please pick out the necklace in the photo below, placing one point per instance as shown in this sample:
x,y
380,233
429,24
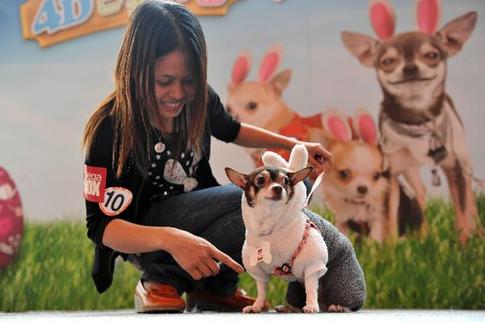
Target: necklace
x,y
159,147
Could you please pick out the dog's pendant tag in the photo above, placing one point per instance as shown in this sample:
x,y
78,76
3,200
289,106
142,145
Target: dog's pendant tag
x,y
265,253
261,254
435,180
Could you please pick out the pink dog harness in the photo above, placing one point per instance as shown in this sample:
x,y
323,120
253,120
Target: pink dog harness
x,y
285,269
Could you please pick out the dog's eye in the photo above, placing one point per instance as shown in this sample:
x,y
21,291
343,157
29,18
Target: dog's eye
x,y
432,55
376,176
344,174
252,106
387,61
286,181
260,181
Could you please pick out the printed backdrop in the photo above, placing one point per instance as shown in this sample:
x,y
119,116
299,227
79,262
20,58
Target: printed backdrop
x,y
47,94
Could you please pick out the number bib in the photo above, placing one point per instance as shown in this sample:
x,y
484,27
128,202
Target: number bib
x,y
116,200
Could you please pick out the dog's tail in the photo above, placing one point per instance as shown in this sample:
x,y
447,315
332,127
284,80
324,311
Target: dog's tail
x,y
410,214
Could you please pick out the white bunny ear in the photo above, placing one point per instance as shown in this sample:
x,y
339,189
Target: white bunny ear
x,y
298,157
271,159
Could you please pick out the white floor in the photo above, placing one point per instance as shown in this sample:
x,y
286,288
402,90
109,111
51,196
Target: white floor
x,y
361,316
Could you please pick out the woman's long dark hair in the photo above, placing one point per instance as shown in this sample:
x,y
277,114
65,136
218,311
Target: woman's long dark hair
x,y
156,28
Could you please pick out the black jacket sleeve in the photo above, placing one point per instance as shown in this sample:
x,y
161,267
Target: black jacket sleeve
x,y
98,165
223,126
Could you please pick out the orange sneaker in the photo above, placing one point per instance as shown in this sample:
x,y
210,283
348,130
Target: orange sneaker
x,y
156,297
205,301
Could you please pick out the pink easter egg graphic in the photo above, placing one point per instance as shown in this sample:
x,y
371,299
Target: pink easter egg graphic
x,y
11,219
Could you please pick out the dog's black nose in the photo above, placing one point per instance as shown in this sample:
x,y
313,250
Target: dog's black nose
x,y
410,70
362,190
277,190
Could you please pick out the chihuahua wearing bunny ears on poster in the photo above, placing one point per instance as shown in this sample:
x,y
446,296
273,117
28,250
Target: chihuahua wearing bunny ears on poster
x,y
418,121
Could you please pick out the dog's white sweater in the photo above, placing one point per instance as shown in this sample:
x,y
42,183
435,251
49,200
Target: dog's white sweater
x,y
282,226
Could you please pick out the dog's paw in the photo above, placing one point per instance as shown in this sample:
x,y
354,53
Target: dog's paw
x,y
334,308
253,309
311,308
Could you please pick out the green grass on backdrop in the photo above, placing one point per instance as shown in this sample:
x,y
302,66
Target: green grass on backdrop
x,y
53,270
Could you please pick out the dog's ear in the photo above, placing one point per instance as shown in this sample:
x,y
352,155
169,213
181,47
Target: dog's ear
x,y
239,179
300,175
280,81
361,46
456,32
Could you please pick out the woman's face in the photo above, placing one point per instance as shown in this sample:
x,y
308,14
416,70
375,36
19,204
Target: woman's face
x,y
175,84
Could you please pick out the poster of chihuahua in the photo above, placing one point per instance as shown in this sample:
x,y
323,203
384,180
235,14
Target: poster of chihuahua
x,y
419,123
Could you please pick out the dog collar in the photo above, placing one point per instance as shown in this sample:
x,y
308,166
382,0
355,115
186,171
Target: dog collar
x,y
285,269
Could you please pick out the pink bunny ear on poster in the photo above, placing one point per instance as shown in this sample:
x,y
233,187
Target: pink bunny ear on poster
x,y
337,125
428,15
382,18
270,63
364,125
240,69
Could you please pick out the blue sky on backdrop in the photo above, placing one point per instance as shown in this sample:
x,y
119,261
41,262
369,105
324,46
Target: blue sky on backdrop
x,y
47,94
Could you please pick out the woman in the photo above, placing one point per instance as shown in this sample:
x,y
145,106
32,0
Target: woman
x,y
150,193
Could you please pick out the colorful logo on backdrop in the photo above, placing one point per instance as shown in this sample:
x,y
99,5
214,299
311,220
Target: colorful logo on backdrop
x,y
53,21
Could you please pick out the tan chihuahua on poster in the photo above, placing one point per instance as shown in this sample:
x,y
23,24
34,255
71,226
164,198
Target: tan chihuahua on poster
x,y
260,102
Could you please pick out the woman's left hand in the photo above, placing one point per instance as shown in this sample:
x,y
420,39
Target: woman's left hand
x,y
318,156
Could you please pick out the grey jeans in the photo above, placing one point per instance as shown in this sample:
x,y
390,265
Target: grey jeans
x,y
215,214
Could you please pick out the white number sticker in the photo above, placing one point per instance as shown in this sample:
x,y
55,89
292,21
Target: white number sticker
x,y
116,200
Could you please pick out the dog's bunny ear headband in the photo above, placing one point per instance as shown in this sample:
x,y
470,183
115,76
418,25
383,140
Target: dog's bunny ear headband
x,y
364,126
298,159
345,129
269,65
338,125
383,18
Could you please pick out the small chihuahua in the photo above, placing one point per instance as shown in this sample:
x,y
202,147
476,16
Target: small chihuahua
x,y
357,184
418,121
356,189
280,239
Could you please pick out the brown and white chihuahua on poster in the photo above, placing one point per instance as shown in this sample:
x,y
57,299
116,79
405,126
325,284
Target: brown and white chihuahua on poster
x,y
418,121
357,184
